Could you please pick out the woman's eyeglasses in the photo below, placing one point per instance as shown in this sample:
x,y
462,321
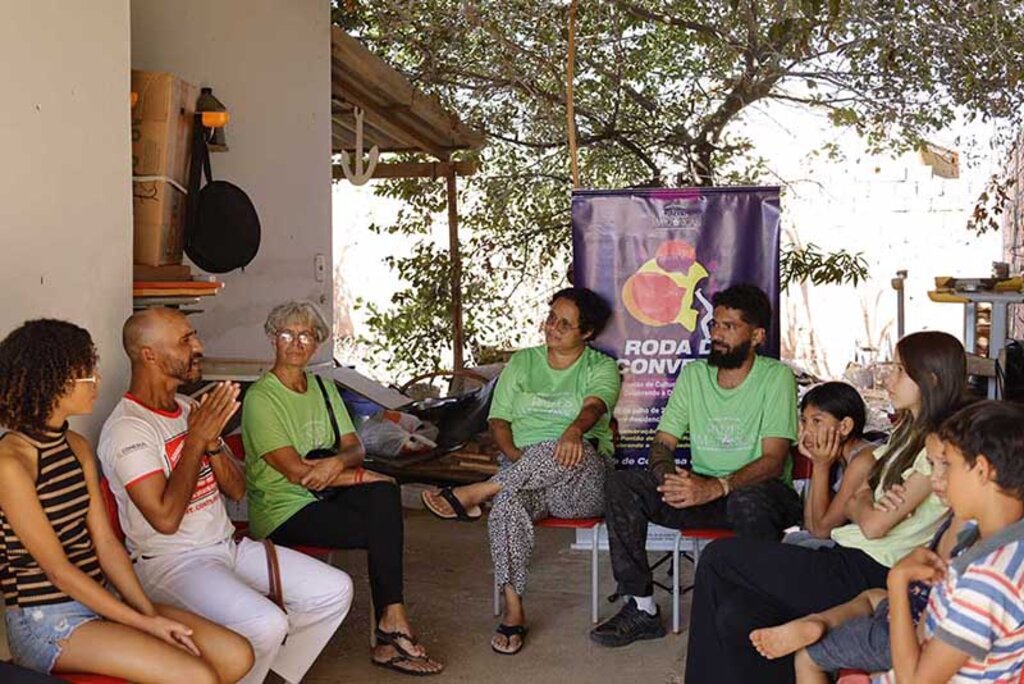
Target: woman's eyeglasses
x,y
287,337
559,324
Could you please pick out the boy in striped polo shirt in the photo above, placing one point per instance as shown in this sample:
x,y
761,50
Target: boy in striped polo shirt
x,y
973,628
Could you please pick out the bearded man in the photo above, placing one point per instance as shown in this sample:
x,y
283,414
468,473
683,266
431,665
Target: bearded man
x,y
739,411
168,468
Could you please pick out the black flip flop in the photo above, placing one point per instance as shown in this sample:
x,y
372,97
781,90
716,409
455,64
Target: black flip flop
x,y
391,639
394,664
448,495
509,631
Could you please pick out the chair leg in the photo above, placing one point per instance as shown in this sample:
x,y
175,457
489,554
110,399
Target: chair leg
x,y
497,598
595,539
373,624
675,583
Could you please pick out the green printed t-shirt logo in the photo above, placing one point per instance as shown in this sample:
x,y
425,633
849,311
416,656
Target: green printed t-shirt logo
x,y
725,433
560,405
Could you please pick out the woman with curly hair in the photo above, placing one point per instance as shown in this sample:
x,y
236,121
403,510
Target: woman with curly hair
x,y
60,560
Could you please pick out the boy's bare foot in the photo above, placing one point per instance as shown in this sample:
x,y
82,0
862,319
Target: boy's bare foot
x,y
775,642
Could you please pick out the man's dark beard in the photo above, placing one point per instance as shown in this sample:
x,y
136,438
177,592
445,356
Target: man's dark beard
x,y
733,358
185,371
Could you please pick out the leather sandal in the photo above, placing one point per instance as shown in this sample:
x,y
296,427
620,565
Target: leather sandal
x,y
459,511
403,656
509,631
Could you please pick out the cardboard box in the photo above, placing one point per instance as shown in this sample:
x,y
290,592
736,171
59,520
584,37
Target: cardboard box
x,y
161,273
162,122
159,209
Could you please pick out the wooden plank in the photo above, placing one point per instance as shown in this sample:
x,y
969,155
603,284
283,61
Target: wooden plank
x,y
176,272
456,270
361,77
417,169
396,123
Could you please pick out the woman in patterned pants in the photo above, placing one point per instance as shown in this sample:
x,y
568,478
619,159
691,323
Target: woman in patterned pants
x,y
550,419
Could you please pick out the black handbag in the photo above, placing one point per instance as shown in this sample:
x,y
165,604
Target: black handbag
x,y
316,454
222,228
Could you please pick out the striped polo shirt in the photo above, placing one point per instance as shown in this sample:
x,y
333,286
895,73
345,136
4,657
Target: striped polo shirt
x,y
62,492
979,609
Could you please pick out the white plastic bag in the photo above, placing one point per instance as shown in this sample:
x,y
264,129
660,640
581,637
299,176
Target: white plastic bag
x,y
390,433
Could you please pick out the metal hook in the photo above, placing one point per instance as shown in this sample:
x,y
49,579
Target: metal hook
x,y
359,176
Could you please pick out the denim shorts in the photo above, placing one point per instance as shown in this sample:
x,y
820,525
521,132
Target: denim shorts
x,y
858,644
34,633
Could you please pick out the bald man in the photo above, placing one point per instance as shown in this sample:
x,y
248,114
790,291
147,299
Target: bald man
x,y
168,469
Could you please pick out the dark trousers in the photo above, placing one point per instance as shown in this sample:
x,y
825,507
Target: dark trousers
x,y
761,511
745,584
12,674
367,516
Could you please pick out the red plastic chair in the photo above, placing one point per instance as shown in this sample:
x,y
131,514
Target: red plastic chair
x,y
592,524
699,538
110,502
91,679
234,442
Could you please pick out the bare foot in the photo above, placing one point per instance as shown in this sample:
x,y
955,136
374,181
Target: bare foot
x,y
775,642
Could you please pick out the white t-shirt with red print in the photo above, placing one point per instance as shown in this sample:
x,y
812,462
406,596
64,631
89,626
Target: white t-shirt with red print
x,y
138,442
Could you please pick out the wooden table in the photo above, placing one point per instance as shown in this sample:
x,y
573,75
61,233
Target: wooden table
x,y
435,469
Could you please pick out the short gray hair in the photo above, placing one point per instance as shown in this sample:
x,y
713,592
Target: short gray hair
x,y
302,312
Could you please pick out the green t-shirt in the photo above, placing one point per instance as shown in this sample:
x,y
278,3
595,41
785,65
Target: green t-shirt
x,y
274,416
726,426
540,402
911,532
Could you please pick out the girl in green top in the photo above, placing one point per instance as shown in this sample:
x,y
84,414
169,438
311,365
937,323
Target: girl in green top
x,y
550,418
746,584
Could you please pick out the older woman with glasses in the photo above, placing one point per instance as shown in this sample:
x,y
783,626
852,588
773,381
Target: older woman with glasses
x,y
550,418
306,484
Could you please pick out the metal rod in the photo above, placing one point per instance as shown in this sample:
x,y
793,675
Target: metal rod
x,y
897,284
456,272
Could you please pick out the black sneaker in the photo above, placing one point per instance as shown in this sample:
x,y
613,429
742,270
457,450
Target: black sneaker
x,y
628,625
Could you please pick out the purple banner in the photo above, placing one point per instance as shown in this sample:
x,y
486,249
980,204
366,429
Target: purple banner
x,y
658,256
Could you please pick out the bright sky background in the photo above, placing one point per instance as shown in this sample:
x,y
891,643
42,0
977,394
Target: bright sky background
x,y
892,210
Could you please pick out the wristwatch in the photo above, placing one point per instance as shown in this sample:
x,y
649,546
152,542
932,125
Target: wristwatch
x,y
219,449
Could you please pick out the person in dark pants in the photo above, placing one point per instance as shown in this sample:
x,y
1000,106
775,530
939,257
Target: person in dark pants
x,y
746,584
287,414
739,410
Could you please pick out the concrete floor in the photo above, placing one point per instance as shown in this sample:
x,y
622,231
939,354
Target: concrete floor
x,y
448,590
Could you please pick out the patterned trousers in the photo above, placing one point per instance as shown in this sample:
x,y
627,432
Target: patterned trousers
x,y
534,487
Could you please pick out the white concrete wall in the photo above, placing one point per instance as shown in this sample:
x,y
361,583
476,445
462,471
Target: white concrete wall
x,y
268,61
65,190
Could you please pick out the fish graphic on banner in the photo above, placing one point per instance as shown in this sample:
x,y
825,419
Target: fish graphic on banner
x,y
658,256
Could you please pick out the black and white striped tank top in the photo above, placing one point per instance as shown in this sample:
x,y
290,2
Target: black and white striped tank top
x,y
61,488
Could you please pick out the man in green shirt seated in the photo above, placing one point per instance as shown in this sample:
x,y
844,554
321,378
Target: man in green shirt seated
x,y
739,410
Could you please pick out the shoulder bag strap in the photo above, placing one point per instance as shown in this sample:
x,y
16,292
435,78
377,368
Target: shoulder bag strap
x,y
274,575
330,412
